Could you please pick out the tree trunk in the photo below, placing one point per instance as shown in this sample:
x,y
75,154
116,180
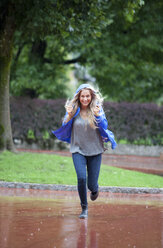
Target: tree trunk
x,y
6,43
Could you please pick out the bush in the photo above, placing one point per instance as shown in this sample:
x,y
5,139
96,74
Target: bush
x,y
33,120
137,123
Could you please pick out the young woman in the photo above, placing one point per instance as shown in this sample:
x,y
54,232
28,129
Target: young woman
x,y
85,128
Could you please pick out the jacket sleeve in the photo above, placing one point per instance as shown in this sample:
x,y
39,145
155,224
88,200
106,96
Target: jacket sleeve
x,y
64,119
66,115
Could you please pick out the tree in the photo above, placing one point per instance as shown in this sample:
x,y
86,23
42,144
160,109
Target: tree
x,y
31,20
38,69
127,59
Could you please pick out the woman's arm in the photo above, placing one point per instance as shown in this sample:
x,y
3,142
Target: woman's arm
x,y
101,118
70,112
66,118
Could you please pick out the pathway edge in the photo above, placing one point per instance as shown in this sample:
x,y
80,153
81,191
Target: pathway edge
x,y
58,187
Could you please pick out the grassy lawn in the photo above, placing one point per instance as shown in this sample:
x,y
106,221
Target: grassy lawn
x,y
48,168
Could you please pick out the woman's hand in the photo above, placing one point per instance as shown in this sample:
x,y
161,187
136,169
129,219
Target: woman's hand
x,y
69,109
97,110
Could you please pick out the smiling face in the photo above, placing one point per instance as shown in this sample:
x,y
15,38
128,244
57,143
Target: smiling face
x,y
85,98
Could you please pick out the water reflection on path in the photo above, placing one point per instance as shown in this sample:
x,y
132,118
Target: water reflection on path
x,y
42,219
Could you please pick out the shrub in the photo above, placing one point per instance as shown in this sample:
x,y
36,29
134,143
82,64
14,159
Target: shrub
x,y
35,117
134,122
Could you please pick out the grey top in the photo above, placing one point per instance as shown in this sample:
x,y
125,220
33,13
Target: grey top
x,y
84,139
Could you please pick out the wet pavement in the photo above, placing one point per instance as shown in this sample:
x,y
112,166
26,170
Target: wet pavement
x,y
44,218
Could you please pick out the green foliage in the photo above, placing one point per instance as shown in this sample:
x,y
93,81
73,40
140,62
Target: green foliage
x,y
46,135
27,24
127,59
36,19
123,141
65,27
40,69
147,141
47,81
120,42
57,25
48,168
30,134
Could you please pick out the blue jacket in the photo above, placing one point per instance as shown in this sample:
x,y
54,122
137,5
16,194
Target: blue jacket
x,y
64,132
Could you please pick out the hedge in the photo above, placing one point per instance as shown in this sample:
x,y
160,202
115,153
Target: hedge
x,y
134,122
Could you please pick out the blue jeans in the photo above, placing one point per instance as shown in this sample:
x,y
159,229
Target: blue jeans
x,y
87,170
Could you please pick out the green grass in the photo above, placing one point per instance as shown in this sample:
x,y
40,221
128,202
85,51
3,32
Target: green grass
x,y
53,169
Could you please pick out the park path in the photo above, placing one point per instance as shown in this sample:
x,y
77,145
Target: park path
x,y
47,218
43,218
153,165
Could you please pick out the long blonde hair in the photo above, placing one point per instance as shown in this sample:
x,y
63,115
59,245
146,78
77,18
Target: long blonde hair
x,y
96,99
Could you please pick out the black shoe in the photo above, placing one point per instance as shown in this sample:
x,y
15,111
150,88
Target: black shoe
x,y
94,195
84,214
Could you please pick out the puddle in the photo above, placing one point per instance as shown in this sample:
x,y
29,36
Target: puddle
x,y
39,219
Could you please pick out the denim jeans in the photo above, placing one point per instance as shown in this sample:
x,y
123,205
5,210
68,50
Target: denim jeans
x,y
87,170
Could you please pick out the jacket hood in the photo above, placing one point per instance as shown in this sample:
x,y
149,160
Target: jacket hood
x,y
83,86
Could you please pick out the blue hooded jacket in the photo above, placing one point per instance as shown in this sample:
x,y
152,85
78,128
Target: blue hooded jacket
x,y
64,132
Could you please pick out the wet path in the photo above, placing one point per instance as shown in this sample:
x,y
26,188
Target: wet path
x,y
42,219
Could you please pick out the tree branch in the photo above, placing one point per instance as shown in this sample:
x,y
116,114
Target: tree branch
x,y
66,62
19,52
73,61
